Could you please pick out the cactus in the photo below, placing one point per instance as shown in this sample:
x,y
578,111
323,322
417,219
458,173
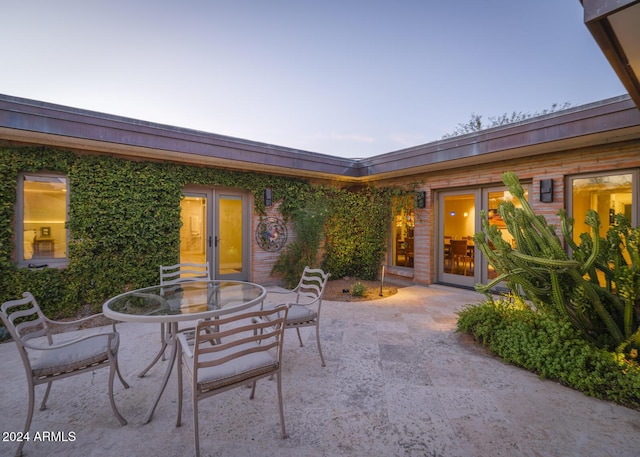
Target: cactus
x,y
595,285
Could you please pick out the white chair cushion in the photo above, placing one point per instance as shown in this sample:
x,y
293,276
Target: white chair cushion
x,y
245,366
298,314
73,357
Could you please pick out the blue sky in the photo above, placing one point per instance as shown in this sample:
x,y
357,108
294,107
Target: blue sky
x,y
351,78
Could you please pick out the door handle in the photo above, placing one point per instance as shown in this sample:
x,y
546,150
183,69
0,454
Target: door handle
x,y
209,241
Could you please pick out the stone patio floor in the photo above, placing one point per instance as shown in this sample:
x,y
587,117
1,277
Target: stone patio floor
x,y
399,381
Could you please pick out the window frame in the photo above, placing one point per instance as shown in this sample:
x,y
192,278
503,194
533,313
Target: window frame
x,y
19,224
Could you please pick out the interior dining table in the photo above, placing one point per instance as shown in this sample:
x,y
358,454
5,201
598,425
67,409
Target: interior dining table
x,y
175,303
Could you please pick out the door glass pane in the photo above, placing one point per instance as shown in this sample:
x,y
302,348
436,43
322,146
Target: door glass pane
x,y
44,216
403,239
495,198
459,228
193,233
231,229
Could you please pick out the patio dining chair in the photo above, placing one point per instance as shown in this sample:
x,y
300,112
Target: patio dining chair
x,y
232,351
48,352
305,311
175,274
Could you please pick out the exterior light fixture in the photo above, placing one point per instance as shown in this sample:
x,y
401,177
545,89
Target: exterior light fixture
x,y
421,199
268,199
546,190
614,26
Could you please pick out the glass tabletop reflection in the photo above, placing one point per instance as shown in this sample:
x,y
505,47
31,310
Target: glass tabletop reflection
x,y
183,301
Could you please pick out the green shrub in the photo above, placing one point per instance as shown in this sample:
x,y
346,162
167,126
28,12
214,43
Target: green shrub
x,y
553,349
358,289
595,286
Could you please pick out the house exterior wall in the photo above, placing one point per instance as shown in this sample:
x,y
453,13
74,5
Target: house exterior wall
x,y
556,166
597,137
262,261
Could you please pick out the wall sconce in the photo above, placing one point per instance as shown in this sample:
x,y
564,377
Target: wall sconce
x,y
421,199
268,199
546,190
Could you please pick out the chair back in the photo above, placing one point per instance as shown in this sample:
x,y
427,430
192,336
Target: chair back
x,y
312,285
24,319
248,345
181,272
459,247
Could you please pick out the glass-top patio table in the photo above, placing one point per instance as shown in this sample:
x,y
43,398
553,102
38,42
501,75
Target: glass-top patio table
x,y
186,301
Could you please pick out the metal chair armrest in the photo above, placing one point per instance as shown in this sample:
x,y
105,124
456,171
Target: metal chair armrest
x,y
50,347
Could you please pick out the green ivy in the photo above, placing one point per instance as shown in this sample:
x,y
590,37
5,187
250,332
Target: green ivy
x,y
124,220
356,233
308,218
354,225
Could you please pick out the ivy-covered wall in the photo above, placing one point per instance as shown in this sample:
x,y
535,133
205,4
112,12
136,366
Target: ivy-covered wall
x,y
124,221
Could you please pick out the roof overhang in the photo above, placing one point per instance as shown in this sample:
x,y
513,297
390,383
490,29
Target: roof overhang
x,y
33,122
26,121
615,25
615,120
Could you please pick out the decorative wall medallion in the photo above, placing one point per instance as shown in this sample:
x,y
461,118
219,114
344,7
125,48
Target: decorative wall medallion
x,y
271,234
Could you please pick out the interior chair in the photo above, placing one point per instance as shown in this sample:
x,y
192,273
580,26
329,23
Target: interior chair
x,y
49,353
232,351
305,311
460,253
175,274
408,256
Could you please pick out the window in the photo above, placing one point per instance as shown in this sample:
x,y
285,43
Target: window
x,y
42,214
607,194
403,225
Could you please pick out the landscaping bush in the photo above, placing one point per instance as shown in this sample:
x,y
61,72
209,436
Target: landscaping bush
x,y
553,349
595,285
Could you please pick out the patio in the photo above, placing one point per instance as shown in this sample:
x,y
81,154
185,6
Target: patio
x,y
398,382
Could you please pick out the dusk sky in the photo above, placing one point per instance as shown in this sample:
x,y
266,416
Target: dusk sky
x,y
350,78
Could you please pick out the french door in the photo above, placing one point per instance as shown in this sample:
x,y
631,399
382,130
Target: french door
x,y
215,228
457,223
459,261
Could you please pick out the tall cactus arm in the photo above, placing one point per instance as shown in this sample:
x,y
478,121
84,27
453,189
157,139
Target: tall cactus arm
x,y
591,295
566,227
539,223
551,263
593,221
